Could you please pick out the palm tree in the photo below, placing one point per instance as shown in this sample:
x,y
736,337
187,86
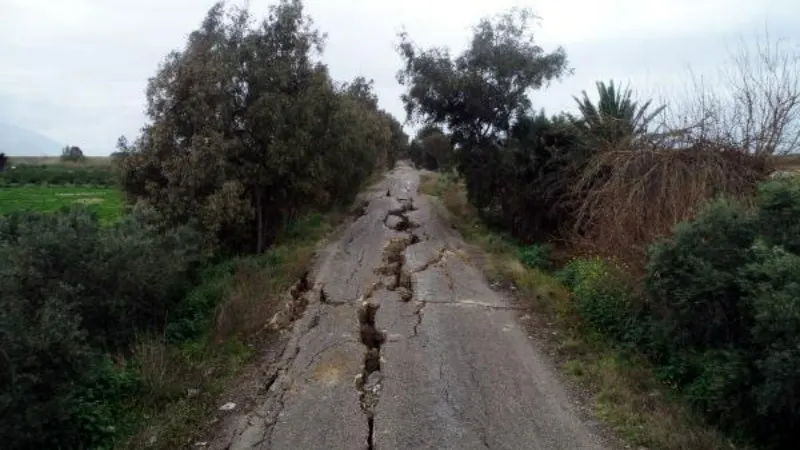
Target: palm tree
x,y
616,118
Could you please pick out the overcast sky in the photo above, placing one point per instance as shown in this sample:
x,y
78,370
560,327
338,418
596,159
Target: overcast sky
x,y
76,70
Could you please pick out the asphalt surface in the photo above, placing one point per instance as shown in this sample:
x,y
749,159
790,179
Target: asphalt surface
x,y
441,363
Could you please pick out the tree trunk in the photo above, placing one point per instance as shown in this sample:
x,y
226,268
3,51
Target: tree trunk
x,y
260,220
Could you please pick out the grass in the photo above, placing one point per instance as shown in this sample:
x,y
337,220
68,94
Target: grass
x,y
226,322
107,202
625,393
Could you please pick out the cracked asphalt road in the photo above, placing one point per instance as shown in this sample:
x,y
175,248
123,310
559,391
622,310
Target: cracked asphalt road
x,y
403,345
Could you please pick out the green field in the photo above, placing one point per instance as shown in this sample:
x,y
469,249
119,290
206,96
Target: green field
x,y
107,202
56,161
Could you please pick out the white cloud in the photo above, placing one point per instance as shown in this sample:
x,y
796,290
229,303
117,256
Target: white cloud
x,y
76,70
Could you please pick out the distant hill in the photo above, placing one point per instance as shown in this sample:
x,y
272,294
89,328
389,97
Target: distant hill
x,y
16,141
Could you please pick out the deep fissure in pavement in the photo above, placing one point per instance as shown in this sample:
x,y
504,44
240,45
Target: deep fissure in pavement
x,y
397,218
323,297
295,304
368,382
394,278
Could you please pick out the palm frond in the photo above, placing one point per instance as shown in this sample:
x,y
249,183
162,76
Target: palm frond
x,y
615,116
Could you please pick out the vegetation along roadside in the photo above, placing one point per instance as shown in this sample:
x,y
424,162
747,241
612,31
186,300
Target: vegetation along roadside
x,y
653,236
624,391
120,333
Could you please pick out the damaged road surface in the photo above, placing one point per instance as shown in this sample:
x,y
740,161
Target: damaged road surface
x,y
397,342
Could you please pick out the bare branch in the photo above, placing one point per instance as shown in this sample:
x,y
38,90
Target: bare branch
x,y
753,103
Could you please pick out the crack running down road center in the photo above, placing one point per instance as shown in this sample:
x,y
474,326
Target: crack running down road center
x,y
402,345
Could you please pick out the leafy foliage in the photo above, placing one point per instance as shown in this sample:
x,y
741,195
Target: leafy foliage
x,y
69,291
779,214
537,256
530,193
616,119
3,161
717,311
249,132
721,315
604,299
724,290
694,276
479,95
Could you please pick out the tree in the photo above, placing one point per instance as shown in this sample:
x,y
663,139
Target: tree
x,y
361,89
478,95
72,153
3,161
248,130
399,147
432,149
72,289
616,118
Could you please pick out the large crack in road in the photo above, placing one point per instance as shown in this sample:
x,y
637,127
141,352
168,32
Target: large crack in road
x,y
397,342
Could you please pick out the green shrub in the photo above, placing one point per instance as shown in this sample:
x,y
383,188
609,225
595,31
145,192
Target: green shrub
x,y
603,299
71,291
725,293
692,279
779,212
523,186
56,391
192,315
43,351
774,291
119,279
536,256
97,403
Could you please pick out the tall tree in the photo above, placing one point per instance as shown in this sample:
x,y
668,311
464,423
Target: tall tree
x,y
478,95
399,147
248,130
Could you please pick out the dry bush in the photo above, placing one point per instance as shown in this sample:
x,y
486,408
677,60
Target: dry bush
x,y
164,372
452,192
725,136
786,162
255,297
259,292
630,198
456,201
428,182
753,103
